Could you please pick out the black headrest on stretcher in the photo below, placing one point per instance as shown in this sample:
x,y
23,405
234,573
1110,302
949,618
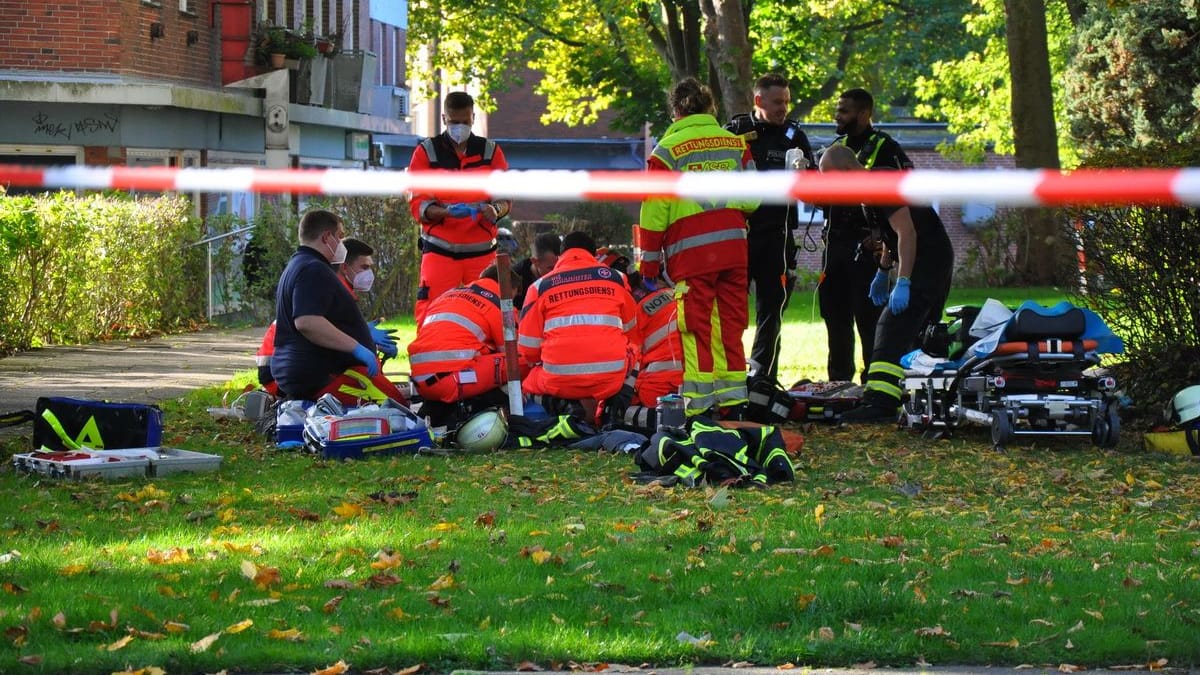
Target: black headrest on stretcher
x,y
1027,325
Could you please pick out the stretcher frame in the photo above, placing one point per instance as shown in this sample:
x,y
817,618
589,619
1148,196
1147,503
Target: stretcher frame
x,y
978,392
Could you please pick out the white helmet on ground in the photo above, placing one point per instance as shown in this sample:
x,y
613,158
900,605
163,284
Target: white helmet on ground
x,y
1185,407
484,432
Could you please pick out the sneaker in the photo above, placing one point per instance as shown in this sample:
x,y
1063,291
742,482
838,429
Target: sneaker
x,y
870,414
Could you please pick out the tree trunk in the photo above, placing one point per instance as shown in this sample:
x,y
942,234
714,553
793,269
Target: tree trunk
x,y
729,53
1034,136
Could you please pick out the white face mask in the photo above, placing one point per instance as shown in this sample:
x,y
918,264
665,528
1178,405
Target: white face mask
x,y
364,280
339,254
459,133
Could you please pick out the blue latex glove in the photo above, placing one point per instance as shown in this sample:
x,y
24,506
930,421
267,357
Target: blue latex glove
x,y
367,358
879,289
460,210
384,340
899,300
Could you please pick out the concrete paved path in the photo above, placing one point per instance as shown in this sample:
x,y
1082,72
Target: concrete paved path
x,y
138,371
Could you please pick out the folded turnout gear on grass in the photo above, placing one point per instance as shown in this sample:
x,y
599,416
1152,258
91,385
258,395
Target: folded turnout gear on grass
x,y
69,423
560,431
713,454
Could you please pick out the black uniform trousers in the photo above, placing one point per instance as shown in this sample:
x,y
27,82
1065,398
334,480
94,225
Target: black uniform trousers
x,y
897,335
770,250
842,297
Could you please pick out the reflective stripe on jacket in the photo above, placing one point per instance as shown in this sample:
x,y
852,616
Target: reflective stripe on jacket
x,y
662,350
695,236
460,324
467,235
579,322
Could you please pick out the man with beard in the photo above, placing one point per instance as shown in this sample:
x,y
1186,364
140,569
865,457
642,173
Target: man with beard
x,y
850,250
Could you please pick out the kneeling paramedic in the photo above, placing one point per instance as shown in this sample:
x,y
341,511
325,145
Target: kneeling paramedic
x,y
323,345
458,354
578,330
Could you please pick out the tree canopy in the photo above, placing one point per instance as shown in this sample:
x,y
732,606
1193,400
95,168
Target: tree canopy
x,y
1135,80
622,55
973,93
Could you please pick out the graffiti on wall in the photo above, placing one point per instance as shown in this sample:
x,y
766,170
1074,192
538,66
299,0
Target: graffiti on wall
x,y
45,125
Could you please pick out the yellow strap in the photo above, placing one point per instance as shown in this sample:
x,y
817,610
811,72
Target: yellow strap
x,y
57,426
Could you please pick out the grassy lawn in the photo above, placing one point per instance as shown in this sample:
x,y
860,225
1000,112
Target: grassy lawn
x,y
889,549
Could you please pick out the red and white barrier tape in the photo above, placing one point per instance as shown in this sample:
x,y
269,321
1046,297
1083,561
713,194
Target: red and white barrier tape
x,y
1002,187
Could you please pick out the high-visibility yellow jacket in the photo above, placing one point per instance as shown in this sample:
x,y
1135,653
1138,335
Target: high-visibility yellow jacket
x,y
695,236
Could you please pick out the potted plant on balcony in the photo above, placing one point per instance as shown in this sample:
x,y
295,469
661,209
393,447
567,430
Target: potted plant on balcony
x,y
274,46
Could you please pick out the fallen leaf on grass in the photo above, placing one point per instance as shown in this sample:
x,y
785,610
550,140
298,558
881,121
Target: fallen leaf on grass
x,y
249,569
119,644
527,667
331,606
31,660
1069,668
486,519
442,583
935,631
59,620
825,633
291,634
1094,614
71,570
804,600
305,515
386,561
239,627
1011,644
349,510
260,602
336,669
411,670
204,643
1157,664
171,556
382,580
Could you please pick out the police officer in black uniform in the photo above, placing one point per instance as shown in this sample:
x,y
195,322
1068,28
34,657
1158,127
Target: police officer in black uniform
x,y
850,264
915,242
771,243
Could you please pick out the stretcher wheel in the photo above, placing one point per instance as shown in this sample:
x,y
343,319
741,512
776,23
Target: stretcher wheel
x,y
1113,421
1002,428
1101,431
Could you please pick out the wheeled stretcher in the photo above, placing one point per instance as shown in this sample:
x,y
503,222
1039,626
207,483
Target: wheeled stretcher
x,y
1036,376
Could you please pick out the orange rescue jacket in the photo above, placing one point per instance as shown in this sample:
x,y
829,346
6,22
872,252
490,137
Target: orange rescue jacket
x,y
461,324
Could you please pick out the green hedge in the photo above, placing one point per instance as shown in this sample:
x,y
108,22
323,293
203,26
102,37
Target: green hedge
x,y
76,269
1143,276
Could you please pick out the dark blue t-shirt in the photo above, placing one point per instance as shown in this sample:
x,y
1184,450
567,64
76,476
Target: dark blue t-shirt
x,y
310,287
